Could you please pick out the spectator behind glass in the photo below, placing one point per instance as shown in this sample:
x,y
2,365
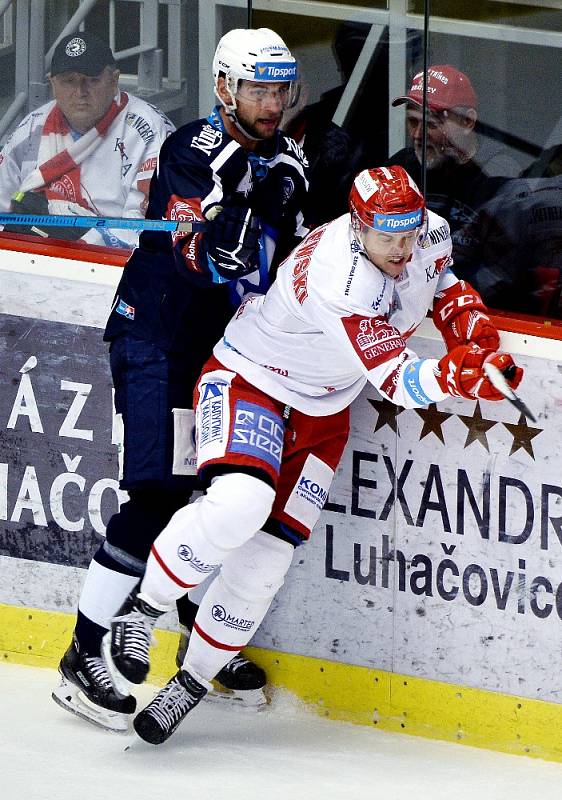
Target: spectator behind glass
x,y
512,253
456,183
336,155
90,151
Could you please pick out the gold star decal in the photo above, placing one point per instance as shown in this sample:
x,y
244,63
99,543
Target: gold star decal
x,y
477,427
433,419
522,435
387,413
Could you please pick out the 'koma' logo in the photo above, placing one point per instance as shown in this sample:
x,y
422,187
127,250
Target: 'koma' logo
x,y
275,72
312,491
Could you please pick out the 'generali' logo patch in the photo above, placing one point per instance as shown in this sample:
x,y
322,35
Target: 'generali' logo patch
x,y
373,339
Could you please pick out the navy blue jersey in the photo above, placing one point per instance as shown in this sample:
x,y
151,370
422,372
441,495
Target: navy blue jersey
x,y
168,293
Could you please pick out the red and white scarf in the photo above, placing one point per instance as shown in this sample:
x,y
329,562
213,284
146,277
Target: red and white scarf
x,y
60,156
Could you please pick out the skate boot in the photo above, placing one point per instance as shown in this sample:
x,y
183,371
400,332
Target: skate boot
x,y
240,681
161,717
125,648
86,690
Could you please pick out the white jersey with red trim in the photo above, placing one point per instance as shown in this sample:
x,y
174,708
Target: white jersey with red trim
x,y
114,179
332,321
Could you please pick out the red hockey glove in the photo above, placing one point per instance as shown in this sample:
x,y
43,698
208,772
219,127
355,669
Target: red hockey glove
x,y
459,315
461,372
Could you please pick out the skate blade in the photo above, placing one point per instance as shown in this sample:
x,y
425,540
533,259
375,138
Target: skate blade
x,y
120,683
71,698
250,699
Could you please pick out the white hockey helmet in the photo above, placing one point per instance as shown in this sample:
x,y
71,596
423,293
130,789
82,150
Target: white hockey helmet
x,y
254,55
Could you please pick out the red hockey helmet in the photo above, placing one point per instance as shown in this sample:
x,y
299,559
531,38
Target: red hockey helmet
x,y
387,199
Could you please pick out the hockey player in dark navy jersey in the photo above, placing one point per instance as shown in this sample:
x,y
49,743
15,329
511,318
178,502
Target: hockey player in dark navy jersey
x,y
239,175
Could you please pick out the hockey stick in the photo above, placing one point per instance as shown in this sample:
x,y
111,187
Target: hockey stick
x,y
499,382
56,221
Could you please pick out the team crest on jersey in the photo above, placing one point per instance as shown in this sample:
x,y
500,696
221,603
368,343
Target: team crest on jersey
x,y
288,189
64,187
209,139
180,210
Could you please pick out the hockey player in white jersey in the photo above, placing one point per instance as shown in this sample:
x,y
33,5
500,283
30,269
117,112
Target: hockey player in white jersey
x,y
272,420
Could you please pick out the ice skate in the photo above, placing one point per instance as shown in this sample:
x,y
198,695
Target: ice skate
x,y
125,648
240,682
156,723
87,691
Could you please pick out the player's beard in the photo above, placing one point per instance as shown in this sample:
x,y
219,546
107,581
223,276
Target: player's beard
x,y
261,131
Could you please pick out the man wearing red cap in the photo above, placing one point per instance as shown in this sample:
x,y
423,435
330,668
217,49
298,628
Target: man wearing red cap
x,y
457,184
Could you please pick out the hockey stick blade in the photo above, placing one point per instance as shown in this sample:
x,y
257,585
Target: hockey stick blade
x,y
498,381
119,223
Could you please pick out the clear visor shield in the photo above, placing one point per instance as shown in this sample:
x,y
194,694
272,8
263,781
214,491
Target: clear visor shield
x,y
284,88
281,95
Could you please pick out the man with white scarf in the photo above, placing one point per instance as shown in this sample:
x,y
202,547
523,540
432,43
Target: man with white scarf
x,y
89,151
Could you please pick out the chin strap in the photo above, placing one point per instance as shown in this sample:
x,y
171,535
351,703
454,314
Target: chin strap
x,y
230,111
231,114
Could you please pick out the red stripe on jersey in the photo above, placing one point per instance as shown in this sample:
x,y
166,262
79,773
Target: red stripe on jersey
x,y
373,339
214,643
169,572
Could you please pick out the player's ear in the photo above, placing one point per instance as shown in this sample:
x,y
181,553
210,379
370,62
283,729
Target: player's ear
x,y
470,118
222,91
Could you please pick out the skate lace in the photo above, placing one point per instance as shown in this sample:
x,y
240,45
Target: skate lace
x,y
137,635
97,672
170,705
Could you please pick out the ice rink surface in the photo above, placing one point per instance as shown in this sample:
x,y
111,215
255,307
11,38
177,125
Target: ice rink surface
x,y
221,753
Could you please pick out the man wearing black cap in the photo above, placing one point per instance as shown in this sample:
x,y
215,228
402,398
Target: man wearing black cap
x,y
91,150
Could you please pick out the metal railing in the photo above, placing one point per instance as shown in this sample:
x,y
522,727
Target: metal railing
x,y
33,56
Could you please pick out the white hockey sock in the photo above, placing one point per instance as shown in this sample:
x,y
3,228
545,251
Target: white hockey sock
x,y
104,592
200,536
236,603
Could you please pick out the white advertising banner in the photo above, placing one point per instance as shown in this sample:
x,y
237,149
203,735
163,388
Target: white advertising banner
x,y
439,554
